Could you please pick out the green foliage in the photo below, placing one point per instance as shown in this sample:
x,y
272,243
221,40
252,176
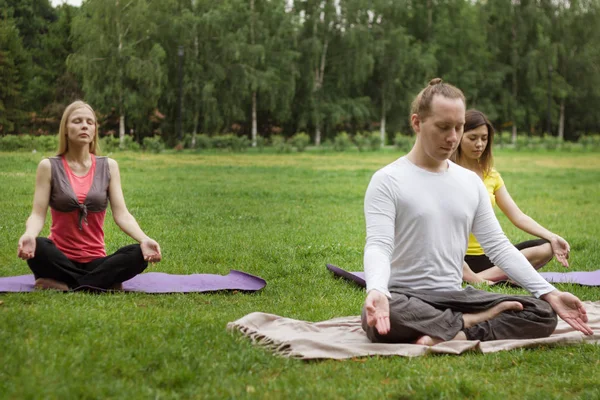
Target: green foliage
x,y
361,141
280,144
109,144
154,144
45,143
261,143
120,66
300,141
521,143
14,64
552,142
240,143
231,142
187,141
203,141
342,142
404,142
590,142
16,143
130,144
328,66
374,140
367,141
503,138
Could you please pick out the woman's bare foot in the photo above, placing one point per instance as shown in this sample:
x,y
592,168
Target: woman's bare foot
x,y
47,283
474,319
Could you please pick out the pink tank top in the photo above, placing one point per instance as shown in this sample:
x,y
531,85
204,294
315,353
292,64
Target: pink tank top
x,y
78,207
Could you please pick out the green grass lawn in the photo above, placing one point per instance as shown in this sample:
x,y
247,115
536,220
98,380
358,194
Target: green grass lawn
x,y
281,217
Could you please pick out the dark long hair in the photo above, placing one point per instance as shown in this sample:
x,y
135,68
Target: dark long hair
x,y
474,119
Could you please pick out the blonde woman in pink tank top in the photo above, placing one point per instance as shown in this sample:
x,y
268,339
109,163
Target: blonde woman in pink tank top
x,y
77,185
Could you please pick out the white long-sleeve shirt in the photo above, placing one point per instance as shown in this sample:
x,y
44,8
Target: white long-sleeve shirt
x,y
418,225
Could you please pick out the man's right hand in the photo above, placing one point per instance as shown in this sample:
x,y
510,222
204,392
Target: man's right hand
x,y
378,311
26,247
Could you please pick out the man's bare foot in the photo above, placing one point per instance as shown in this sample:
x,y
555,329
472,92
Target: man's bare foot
x,y
427,340
47,283
474,319
117,286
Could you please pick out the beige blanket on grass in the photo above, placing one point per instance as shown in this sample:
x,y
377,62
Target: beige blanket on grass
x,y
343,337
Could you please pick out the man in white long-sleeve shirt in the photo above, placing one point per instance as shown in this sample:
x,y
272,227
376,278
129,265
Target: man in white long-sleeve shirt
x,y
419,212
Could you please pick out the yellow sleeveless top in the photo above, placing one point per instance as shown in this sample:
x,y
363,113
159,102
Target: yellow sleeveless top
x,y
493,181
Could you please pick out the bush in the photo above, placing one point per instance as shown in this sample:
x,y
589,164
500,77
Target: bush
x,y
16,143
280,144
240,143
342,142
374,139
130,144
45,143
154,144
108,144
223,141
261,143
361,141
522,142
28,143
187,141
300,141
590,142
203,141
535,142
570,146
404,142
503,138
231,142
552,142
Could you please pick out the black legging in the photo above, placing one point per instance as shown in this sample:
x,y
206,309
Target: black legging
x,y
104,272
482,262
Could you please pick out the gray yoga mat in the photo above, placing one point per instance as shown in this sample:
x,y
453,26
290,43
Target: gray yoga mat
x,y
585,278
159,282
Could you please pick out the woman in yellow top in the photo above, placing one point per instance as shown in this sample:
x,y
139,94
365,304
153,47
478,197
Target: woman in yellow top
x,y
475,153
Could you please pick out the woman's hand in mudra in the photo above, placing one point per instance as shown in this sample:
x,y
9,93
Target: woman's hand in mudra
x,y
26,247
150,250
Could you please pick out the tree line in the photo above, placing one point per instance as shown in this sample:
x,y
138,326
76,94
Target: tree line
x,y
278,67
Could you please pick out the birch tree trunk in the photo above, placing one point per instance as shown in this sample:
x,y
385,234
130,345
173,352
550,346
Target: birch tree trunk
x,y
319,74
120,83
382,124
254,122
561,121
515,88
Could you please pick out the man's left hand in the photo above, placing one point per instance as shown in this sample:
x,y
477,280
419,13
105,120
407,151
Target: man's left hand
x,y
570,309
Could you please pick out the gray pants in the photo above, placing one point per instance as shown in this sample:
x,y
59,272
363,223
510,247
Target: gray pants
x,y
414,313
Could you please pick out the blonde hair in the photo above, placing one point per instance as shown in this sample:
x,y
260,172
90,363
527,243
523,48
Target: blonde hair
x,y
63,143
421,105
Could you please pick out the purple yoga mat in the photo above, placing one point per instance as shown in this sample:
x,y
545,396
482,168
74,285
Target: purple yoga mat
x,y
586,278
159,282
591,278
356,277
